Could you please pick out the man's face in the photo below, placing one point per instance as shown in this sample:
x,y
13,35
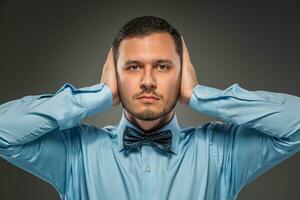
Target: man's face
x,y
149,66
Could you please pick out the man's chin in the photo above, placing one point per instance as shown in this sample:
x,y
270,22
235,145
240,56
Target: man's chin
x,y
146,115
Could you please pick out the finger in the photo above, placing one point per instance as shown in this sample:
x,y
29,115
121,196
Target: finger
x,y
109,58
110,54
186,56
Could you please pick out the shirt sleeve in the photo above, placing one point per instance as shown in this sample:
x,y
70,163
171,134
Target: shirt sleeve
x,y
261,129
33,129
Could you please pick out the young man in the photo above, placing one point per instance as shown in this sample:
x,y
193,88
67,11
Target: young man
x,y
148,155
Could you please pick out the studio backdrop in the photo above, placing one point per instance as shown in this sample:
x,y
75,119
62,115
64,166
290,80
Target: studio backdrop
x,y
45,44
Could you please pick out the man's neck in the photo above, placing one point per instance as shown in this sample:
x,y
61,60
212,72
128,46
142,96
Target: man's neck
x,y
150,126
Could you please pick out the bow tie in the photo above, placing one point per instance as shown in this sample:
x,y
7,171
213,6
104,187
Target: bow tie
x,y
133,140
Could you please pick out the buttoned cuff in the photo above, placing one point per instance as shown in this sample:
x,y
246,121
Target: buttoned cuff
x,y
203,99
76,103
98,98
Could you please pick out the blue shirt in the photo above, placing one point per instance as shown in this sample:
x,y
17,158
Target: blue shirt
x,y
43,135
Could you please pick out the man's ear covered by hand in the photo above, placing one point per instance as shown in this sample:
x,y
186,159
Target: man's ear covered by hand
x,y
109,77
188,77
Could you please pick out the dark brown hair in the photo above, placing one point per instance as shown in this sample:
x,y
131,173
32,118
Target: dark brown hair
x,y
143,26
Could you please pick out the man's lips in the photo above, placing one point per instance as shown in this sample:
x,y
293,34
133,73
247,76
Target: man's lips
x,y
148,97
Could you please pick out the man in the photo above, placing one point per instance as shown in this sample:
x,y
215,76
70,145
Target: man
x,y
148,155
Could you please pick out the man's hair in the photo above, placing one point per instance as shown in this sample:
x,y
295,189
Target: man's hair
x,y
143,26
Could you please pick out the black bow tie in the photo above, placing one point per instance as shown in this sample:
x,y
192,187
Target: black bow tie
x,y
133,140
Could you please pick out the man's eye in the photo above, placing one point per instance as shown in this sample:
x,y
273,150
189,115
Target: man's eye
x,y
162,67
133,68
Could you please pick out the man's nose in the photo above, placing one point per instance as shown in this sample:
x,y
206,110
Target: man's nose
x,y
148,81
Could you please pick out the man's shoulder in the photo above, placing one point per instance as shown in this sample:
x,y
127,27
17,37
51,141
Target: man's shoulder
x,y
211,131
90,130
207,127
204,130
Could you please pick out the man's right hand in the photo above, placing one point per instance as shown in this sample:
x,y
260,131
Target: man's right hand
x,y
109,77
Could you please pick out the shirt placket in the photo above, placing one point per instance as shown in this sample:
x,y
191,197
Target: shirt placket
x,y
148,173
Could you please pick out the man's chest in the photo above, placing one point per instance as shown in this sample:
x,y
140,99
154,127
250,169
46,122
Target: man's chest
x,y
106,173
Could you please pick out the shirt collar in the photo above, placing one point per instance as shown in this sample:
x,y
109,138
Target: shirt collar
x,y
171,125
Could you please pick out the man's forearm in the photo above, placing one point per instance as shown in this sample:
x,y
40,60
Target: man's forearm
x,y
275,114
30,117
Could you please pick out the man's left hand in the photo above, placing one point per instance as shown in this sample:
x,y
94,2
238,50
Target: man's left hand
x,y
188,77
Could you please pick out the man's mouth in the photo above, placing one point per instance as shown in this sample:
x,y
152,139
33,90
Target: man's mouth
x,y
148,99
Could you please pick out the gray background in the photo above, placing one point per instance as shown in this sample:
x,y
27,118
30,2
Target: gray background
x,y
45,44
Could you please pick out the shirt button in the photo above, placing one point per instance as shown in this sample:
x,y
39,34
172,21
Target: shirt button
x,y
148,169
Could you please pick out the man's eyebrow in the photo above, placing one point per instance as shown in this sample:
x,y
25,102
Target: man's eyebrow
x,y
128,62
165,61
